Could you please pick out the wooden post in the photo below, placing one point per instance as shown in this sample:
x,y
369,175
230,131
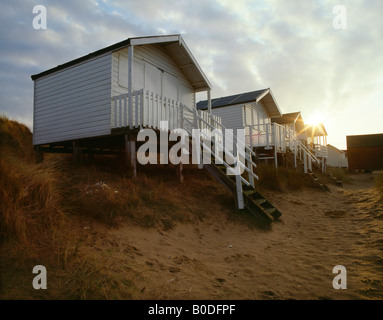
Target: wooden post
x,y
305,162
179,172
208,101
39,155
275,147
130,155
130,89
77,152
238,182
90,156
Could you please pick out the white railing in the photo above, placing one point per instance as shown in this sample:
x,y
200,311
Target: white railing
x,y
267,135
240,155
321,151
274,135
145,109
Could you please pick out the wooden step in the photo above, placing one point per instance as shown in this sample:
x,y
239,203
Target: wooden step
x,y
260,207
260,201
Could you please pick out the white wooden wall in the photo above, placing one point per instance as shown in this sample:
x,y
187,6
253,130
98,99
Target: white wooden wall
x,y
153,70
237,116
231,116
152,57
336,158
73,103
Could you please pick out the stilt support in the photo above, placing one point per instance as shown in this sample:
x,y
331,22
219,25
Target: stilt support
x,y
39,155
77,152
130,155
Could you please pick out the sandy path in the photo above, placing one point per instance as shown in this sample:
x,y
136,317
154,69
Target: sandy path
x,y
223,259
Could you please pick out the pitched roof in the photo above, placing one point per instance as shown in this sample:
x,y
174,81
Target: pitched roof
x,y
173,44
247,97
335,148
288,118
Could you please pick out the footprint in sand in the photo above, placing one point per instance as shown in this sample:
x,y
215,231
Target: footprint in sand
x,y
335,213
174,269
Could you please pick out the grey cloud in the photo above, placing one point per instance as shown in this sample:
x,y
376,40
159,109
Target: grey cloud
x,y
289,46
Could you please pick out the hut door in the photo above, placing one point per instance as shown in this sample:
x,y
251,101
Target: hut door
x,y
153,79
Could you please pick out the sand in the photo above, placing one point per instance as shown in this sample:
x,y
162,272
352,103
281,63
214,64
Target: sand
x,y
222,258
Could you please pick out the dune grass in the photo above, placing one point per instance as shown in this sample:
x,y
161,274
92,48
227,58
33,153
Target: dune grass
x,y
341,174
43,209
379,182
281,179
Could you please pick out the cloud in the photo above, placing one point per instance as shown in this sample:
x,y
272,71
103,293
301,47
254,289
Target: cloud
x,y
290,46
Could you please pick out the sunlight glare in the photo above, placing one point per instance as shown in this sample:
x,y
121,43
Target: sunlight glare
x,y
315,119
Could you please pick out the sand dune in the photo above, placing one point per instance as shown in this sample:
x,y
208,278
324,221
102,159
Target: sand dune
x,y
219,258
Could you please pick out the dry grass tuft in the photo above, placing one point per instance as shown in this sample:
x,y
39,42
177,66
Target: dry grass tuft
x,y
341,174
280,179
379,182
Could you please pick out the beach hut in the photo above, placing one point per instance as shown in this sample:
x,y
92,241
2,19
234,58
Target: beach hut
x,y
93,103
250,111
317,142
98,103
365,152
294,122
256,113
336,157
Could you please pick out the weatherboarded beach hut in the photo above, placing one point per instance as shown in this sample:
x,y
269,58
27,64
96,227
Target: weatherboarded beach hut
x,y
336,157
242,110
256,113
294,122
98,103
94,103
365,152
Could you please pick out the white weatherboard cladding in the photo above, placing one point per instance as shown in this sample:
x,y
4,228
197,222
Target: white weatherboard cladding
x,y
231,116
73,103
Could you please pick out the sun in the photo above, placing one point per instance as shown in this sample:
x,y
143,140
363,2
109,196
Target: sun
x,y
315,119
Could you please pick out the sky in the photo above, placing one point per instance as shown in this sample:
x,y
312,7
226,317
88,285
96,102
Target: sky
x,y
322,58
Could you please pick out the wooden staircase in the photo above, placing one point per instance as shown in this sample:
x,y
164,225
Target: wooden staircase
x,y
254,201
237,177
310,174
317,182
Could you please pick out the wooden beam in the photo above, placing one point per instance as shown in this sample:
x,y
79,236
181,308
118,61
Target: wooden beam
x,y
186,65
